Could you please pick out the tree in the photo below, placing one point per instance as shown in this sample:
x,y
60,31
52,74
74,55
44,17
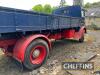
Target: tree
x,y
87,5
78,2
54,8
38,8
47,9
62,3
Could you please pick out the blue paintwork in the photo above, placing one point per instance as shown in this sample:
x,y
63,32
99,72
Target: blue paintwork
x,y
15,20
73,11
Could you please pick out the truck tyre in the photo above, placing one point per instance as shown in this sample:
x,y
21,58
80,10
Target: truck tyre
x,y
81,40
36,54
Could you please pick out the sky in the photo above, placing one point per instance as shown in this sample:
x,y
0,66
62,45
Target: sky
x,y
28,4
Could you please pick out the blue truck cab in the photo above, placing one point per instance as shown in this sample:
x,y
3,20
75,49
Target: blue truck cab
x,y
72,11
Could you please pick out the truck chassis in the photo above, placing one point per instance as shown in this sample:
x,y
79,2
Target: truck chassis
x,y
26,40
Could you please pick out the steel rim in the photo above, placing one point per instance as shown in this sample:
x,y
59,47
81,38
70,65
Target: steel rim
x,y
38,54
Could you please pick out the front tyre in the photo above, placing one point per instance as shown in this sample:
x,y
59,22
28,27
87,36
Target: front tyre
x,y
36,54
81,40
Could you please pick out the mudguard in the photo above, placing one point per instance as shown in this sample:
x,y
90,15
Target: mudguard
x,y
22,44
81,32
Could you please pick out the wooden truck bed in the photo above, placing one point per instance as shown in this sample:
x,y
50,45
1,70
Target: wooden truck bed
x,y
15,20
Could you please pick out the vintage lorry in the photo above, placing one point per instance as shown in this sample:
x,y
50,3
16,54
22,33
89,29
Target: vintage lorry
x,y
25,35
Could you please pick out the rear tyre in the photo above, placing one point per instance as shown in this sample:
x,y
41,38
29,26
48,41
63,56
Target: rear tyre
x,y
36,54
81,40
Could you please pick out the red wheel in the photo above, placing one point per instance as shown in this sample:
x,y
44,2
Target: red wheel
x,y
81,40
36,54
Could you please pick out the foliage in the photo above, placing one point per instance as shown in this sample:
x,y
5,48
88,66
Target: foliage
x,y
44,9
38,8
47,9
62,3
93,27
89,5
54,8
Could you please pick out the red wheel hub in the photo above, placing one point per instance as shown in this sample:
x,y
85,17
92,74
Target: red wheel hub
x,y
38,54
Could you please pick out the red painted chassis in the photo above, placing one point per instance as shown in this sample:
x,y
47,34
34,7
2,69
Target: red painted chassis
x,y
20,45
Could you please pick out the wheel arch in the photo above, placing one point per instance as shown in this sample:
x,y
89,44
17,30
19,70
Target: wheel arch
x,y
85,30
45,39
80,33
23,43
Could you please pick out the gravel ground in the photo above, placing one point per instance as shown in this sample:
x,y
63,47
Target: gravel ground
x,y
65,50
